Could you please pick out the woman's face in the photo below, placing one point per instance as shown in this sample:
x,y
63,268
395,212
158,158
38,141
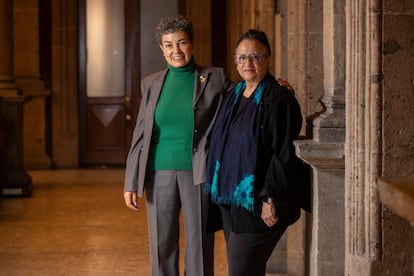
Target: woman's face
x,y
176,48
251,60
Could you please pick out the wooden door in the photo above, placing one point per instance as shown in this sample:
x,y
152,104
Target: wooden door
x,y
108,79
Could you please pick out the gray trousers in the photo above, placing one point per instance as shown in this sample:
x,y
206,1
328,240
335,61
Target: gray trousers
x,y
168,192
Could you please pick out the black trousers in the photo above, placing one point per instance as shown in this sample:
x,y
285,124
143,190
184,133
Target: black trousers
x,y
248,253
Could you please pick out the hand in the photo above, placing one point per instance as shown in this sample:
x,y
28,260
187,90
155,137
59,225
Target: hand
x,y
284,83
131,200
269,213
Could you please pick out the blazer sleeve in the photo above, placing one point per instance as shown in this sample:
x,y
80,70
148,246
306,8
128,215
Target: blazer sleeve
x,y
132,162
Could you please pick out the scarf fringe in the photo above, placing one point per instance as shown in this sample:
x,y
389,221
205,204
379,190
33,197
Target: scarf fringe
x,y
242,196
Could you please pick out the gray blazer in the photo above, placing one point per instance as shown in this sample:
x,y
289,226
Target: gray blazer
x,y
210,86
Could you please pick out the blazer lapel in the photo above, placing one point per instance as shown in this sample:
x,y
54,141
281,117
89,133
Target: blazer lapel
x,y
202,78
156,89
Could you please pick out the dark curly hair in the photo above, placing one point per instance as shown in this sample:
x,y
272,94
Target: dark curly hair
x,y
173,24
255,35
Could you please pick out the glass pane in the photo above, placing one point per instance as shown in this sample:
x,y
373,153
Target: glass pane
x,y
105,48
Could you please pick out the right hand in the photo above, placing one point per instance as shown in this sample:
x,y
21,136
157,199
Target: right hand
x,y
269,214
131,200
285,83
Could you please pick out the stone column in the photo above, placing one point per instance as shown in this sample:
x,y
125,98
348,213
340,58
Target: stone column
x,y
380,130
28,78
325,152
14,180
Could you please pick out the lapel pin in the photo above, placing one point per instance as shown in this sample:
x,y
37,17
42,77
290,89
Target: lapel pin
x,y
202,79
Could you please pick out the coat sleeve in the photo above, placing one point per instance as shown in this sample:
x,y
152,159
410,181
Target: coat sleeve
x,y
282,124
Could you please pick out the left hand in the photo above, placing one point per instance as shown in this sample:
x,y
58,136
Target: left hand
x,y
269,213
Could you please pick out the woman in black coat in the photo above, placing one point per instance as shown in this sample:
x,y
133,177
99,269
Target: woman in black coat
x,y
252,164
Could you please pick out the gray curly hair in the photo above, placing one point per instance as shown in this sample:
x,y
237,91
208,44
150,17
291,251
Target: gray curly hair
x,y
173,24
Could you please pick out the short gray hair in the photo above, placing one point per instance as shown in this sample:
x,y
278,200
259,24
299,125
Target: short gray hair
x,y
174,24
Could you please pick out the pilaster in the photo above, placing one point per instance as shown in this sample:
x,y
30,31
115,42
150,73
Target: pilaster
x,y
14,180
200,12
379,133
28,78
64,61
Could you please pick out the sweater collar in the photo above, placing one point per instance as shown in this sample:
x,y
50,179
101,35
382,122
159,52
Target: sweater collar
x,y
189,68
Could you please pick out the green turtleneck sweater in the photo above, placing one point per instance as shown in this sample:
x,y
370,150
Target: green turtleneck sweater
x,y
172,135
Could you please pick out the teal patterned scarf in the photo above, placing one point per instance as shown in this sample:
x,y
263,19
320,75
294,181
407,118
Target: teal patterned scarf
x,y
233,149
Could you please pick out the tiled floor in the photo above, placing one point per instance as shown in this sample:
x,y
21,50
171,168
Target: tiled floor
x,y
75,223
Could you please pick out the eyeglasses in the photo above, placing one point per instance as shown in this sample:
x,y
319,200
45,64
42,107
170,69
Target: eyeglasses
x,y
241,59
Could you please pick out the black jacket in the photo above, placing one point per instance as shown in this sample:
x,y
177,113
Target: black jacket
x,y
279,173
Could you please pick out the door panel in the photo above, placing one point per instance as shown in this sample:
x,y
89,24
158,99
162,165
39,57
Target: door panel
x,y
108,80
107,128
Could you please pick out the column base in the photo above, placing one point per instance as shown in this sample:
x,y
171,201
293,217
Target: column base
x,y
21,186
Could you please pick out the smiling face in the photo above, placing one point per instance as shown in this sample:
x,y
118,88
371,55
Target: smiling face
x,y
176,48
254,67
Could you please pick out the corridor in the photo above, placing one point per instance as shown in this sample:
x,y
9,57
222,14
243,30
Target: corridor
x,y
75,223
